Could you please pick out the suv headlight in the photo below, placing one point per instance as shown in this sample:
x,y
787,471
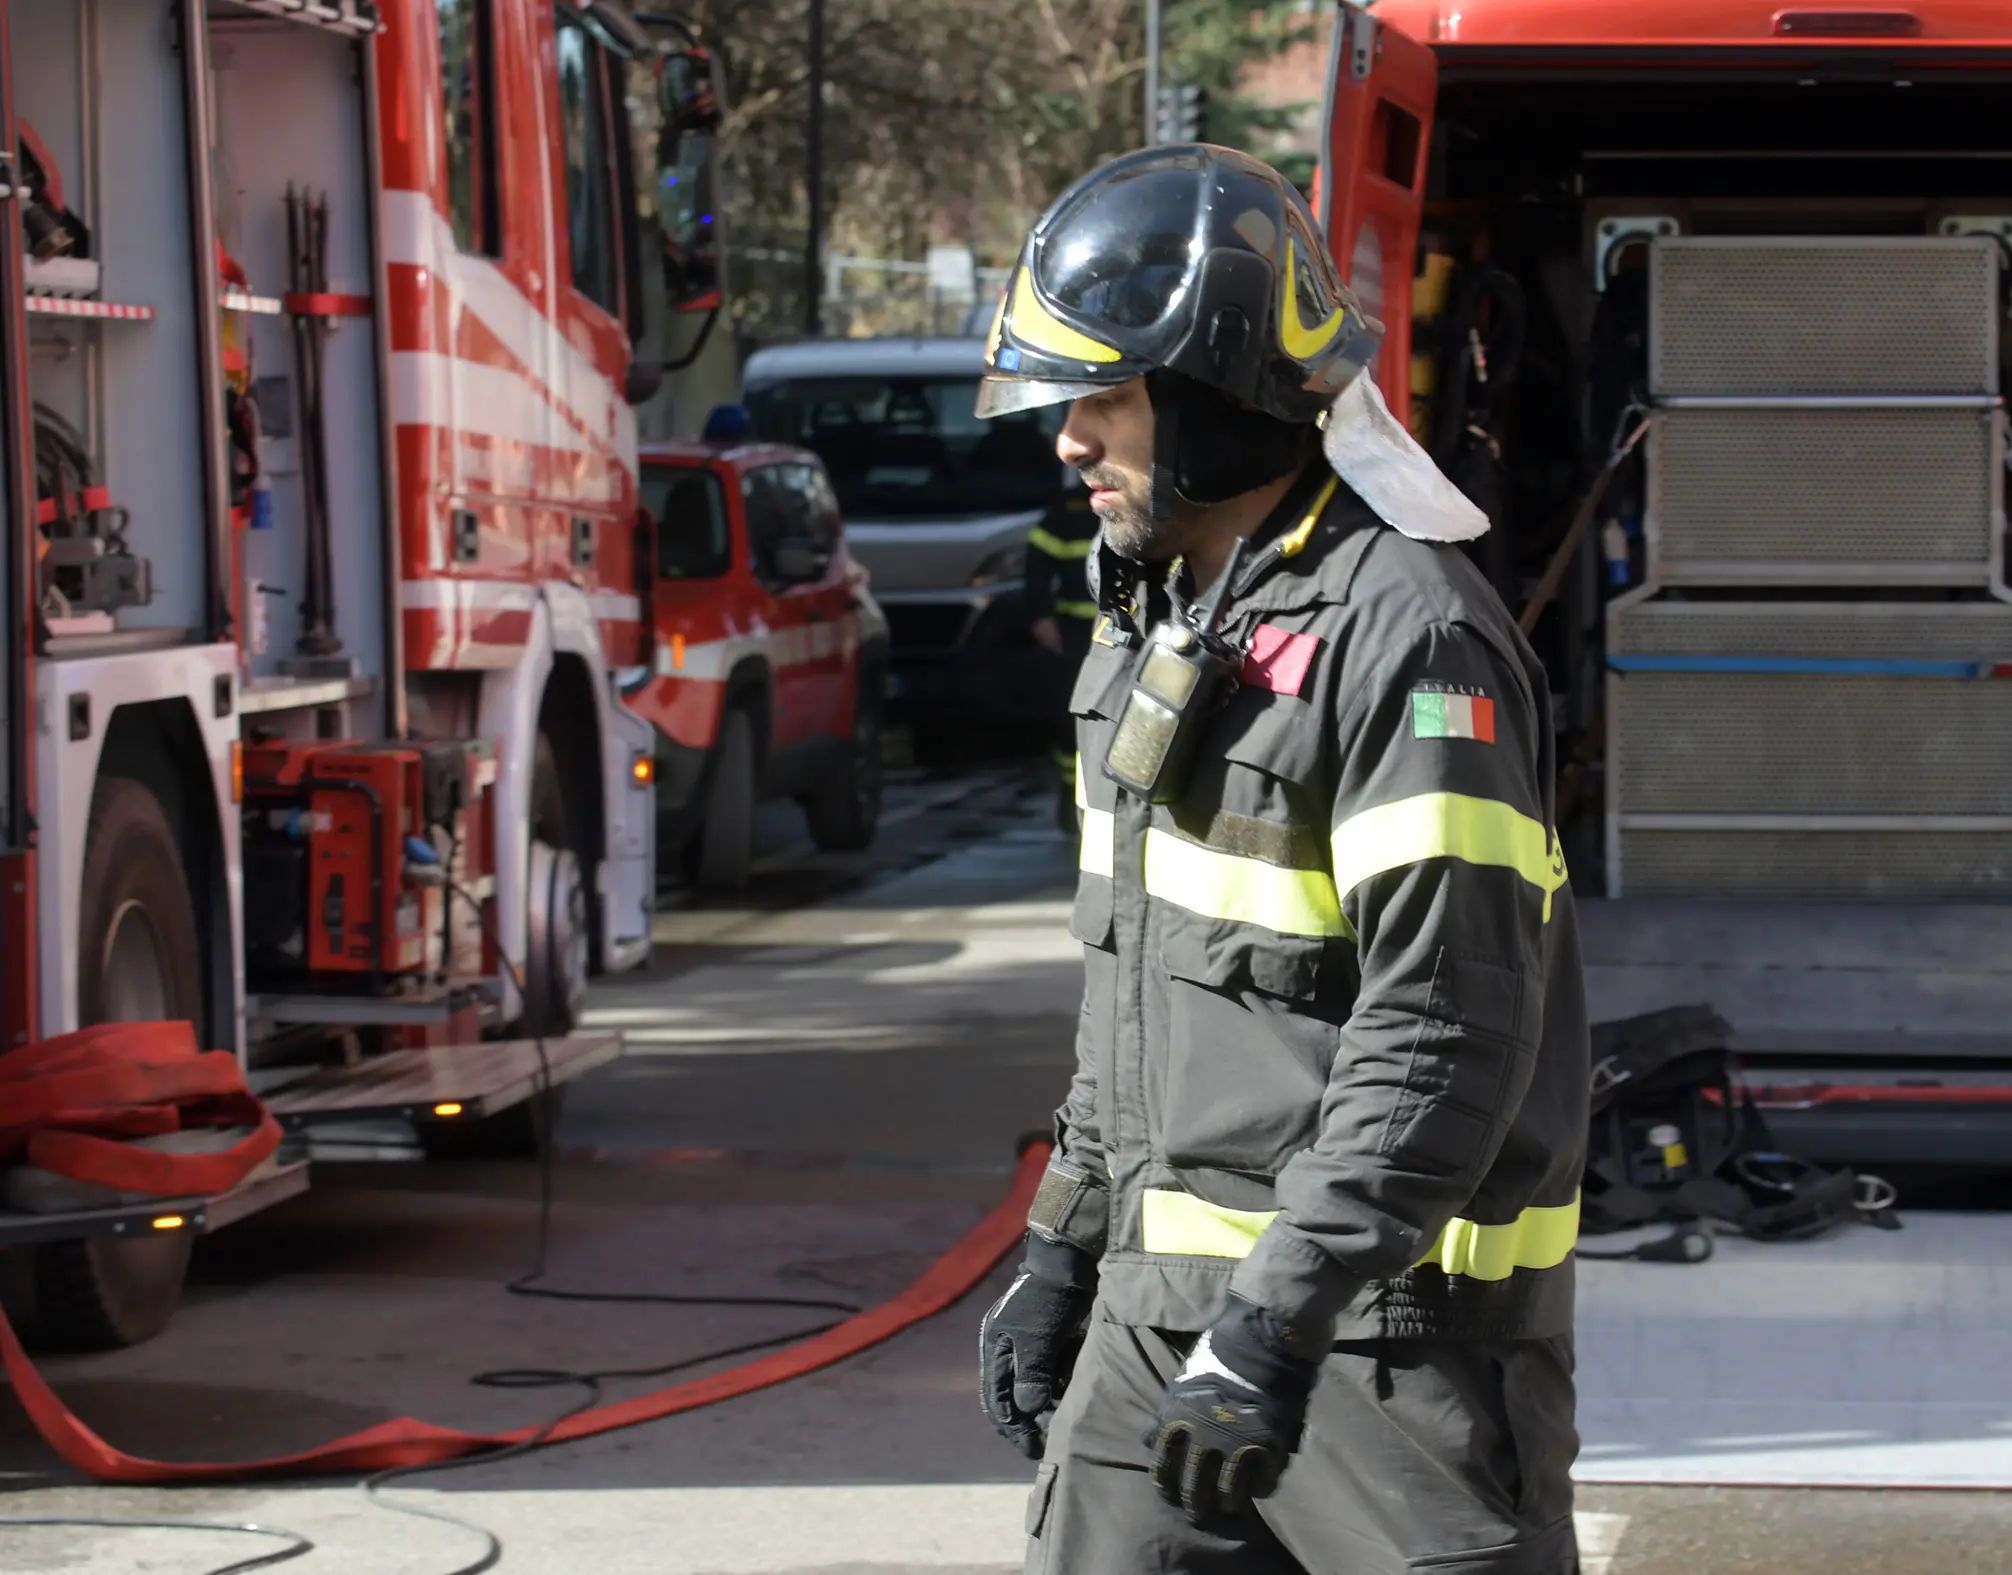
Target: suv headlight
x,y
1008,563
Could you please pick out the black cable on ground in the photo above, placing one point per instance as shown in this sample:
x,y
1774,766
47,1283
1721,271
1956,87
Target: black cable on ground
x,y
588,1380
300,1545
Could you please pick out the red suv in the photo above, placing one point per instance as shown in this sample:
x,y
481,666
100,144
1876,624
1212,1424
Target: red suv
x,y
770,662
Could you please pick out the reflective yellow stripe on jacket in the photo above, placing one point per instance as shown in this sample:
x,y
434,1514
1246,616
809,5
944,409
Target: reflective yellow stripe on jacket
x,y
1446,825
1057,547
1100,828
1220,885
1217,885
1178,1223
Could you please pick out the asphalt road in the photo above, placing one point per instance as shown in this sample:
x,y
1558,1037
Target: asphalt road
x,y
824,1087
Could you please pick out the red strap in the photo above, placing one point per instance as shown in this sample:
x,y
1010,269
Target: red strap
x,y
323,303
110,1163
89,501
65,1102
408,1442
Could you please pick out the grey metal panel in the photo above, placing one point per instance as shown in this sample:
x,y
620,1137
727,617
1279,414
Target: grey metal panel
x,y
1812,744
1910,972
1806,496
1945,631
1817,315
1898,866
483,1078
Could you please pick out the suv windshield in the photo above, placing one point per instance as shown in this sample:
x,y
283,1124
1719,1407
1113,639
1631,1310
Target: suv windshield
x,y
909,447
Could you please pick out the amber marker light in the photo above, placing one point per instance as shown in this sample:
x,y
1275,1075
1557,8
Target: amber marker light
x,y
451,1108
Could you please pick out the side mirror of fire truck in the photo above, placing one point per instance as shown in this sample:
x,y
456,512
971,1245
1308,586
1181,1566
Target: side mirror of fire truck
x,y
643,380
690,91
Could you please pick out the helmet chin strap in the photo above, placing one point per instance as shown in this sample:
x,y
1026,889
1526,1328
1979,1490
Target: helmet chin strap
x,y
1207,448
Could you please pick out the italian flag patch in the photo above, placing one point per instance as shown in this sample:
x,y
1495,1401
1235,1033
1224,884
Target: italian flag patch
x,y
1438,711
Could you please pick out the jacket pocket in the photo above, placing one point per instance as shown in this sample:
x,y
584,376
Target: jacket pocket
x,y
1553,1549
1090,918
1475,1044
1099,687
1246,1061
1260,759
1040,1497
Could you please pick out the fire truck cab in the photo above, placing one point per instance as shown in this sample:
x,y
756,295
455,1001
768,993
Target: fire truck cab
x,y
1705,302
325,328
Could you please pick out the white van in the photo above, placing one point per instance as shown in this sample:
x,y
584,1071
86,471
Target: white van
x,y
937,506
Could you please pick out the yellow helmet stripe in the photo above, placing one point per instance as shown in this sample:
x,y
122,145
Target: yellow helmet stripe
x,y
1301,342
998,331
1031,322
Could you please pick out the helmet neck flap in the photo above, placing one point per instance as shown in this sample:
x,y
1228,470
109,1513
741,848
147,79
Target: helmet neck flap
x,y
1208,448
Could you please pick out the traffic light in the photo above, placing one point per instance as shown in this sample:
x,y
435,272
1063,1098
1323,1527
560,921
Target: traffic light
x,y
1184,112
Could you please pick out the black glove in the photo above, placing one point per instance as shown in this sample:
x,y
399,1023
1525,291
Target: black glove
x,y
1232,1417
1029,1340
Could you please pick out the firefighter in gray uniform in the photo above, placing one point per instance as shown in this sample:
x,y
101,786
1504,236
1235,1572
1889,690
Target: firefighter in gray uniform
x,y
1298,1287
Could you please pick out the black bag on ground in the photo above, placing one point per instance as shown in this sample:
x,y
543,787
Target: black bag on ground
x,y
1676,1139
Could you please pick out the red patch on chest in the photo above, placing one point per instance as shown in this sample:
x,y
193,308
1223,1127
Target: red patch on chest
x,y
1278,660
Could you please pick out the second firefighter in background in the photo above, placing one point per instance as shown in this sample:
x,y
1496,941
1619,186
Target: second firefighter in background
x,y
1060,612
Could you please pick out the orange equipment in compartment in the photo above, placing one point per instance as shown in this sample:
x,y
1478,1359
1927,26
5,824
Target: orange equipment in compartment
x,y
340,839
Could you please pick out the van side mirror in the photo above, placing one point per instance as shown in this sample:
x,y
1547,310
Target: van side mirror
x,y
798,559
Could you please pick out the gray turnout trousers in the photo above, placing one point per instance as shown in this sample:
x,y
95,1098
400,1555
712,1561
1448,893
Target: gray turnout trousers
x,y
1436,1455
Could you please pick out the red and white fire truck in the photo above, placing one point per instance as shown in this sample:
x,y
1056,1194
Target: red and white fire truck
x,y
1706,302
323,333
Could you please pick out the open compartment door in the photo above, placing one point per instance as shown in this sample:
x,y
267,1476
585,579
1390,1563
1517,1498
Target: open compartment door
x,y
1370,195
19,1015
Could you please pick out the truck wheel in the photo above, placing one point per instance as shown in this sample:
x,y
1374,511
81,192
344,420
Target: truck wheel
x,y
556,934
845,809
137,961
555,977
726,827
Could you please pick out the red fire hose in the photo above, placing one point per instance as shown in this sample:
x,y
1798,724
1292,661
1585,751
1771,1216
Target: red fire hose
x,y
74,1104
409,1442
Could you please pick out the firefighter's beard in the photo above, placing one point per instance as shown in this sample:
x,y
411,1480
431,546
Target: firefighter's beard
x,y
1129,527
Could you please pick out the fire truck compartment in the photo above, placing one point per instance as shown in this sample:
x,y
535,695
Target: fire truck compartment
x,y
151,402
462,1082
1800,275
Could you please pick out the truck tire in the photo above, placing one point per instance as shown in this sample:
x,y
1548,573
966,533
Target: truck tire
x,y
555,929
726,825
554,977
138,960
845,809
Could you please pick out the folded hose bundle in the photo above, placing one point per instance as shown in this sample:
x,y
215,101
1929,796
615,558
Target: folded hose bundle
x,y
125,1111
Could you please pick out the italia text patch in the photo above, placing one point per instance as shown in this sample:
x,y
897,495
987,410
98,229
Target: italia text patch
x,y
1447,711
1278,660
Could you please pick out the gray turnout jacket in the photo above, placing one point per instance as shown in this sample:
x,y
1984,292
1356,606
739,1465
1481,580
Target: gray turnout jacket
x,y
1333,1045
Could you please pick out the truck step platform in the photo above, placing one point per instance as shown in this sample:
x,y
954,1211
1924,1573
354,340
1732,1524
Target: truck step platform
x,y
459,1082
269,1184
